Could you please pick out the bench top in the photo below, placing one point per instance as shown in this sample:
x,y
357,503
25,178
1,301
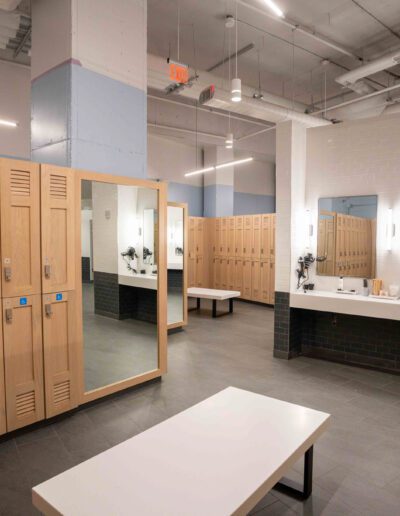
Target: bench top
x,y
212,293
218,457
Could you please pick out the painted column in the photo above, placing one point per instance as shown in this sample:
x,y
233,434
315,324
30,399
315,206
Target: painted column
x,y
89,79
218,185
290,232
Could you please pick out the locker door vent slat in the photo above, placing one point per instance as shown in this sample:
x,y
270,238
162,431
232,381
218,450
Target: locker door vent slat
x,y
20,183
25,403
61,392
58,186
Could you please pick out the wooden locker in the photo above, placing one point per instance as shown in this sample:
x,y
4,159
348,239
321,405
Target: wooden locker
x,y
239,236
265,282
256,238
211,236
200,276
255,281
223,236
272,237
231,274
265,243
20,227
247,273
217,236
239,275
199,236
58,229
191,271
217,273
59,347
3,425
272,283
192,237
231,237
223,273
23,360
247,235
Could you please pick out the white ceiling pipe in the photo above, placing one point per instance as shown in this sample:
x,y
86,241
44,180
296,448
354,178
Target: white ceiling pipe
x,y
272,108
377,65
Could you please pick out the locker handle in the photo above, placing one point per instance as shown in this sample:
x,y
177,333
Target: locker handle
x,y
9,315
47,270
7,273
48,309
262,251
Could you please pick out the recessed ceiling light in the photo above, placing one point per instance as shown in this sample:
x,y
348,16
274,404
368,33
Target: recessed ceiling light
x,y
272,5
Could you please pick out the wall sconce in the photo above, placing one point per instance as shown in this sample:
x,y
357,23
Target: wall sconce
x,y
390,230
309,228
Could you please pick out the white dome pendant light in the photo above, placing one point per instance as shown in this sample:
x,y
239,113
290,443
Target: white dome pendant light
x,y
236,85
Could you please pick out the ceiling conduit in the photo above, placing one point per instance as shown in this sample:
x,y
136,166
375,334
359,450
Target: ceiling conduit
x,y
272,108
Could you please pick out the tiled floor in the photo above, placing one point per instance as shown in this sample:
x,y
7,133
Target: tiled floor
x,y
357,463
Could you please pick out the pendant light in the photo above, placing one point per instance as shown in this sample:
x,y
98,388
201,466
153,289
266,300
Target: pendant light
x,y
236,85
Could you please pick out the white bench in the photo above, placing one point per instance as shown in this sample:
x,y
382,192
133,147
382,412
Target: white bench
x,y
219,457
215,295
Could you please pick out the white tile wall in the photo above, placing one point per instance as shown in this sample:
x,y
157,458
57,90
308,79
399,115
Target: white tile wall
x,y
358,158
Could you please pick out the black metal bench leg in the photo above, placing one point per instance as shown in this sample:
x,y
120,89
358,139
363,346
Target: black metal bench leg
x,y
231,305
295,492
214,308
198,303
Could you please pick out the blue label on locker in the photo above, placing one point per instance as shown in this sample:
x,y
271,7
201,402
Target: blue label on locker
x,y
58,297
23,300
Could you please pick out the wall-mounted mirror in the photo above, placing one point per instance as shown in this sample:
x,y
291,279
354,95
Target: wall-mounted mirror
x,y
177,264
347,236
120,282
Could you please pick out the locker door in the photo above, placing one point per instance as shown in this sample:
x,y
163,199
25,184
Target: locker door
x,y
271,283
256,238
247,235
231,237
224,273
3,426
246,290
223,241
213,280
211,233
191,271
192,237
199,271
272,238
239,236
23,360
231,274
217,236
239,276
265,282
265,243
59,345
255,281
217,274
20,227
58,229
199,236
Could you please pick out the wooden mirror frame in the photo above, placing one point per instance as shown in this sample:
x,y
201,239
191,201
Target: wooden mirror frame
x,y
83,175
184,206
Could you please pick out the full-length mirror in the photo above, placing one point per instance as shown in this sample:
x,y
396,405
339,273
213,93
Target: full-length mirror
x,y
176,252
347,236
119,235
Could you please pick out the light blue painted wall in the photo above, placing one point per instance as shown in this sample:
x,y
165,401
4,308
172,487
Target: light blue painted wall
x,y
87,120
192,195
249,204
218,201
359,206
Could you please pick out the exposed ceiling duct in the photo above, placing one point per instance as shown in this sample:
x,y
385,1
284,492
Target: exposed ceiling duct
x,y
272,108
351,78
9,26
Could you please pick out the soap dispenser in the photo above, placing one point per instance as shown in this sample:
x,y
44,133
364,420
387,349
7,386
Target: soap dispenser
x,y
341,283
365,289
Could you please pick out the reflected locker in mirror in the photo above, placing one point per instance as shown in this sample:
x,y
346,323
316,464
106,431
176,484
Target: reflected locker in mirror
x,y
347,236
119,282
176,264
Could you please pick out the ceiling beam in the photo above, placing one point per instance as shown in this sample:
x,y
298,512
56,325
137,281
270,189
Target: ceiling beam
x,y
240,52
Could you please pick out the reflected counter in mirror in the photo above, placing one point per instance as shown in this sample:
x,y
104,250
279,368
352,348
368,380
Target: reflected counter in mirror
x,y
347,236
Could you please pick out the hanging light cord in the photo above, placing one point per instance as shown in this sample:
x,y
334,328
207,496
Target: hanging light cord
x,y
179,29
236,29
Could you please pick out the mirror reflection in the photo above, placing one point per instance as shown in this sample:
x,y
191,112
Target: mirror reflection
x,y
175,264
119,282
347,236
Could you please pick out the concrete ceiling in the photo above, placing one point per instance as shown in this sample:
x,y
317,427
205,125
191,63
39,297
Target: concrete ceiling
x,y
291,62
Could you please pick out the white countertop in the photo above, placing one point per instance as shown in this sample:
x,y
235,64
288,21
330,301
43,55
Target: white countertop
x,y
216,458
325,301
175,266
139,280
